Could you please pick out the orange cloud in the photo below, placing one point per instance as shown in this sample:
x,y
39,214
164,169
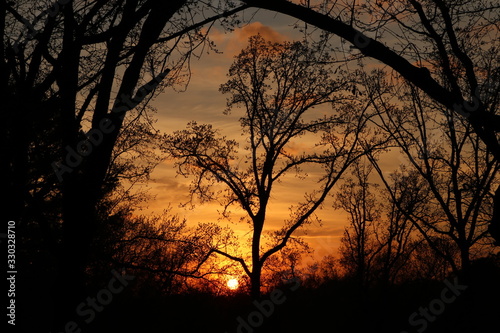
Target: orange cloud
x,y
254,28
234,42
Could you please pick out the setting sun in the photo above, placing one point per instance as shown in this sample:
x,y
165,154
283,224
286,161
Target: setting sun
x,y
232,284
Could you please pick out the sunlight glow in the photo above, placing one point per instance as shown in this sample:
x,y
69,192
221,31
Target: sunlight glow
x,y
232,284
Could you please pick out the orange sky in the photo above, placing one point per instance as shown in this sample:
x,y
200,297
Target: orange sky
x,y
204,103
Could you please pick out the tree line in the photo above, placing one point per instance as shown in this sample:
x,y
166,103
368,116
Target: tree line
x,y
77,79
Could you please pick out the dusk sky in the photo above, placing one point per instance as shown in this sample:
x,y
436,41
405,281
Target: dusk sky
x,y
371,137
204,103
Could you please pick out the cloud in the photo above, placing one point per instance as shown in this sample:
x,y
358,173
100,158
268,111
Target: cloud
x,y
233,43
202,101
254,28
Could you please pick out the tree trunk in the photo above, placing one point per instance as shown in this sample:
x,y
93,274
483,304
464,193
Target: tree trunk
x,y
255,282
465,261
79,215
256,263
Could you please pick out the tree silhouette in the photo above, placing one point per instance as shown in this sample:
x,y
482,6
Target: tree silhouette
x,y
444,38
161,251
445,49
378,244
277,85
74,70
448,160
359,248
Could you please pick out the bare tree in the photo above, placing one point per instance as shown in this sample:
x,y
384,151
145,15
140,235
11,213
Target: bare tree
x,y
396,232
167,252
441,47
447,49
445,157
380,243
277,85
358,245
75,69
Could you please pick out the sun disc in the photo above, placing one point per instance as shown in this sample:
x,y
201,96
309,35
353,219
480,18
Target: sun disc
x,y
232,284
